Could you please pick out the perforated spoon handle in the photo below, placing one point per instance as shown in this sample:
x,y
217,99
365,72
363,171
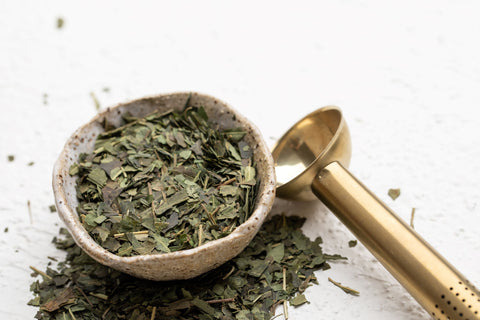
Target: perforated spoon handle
x,y
426,275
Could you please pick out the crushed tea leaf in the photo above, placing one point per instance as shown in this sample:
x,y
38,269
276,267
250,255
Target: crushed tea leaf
x,y
60,22
298,300
352,243
11,158
250,286
394,193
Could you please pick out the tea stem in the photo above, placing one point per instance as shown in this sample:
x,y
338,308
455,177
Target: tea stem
x,y
200,235
71,314
119,235
84,295
104,315
226,182
154,311
344,288
220,300
43,274
285,306
229,273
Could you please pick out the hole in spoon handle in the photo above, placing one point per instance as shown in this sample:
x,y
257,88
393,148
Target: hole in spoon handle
x,y
426,275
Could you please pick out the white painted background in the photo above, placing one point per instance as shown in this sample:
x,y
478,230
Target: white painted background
x,y
406,74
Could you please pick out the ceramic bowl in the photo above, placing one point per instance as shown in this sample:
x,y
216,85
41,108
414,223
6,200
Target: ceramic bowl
x,y
183,264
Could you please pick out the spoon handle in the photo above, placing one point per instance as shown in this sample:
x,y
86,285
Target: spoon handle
x,y
426,275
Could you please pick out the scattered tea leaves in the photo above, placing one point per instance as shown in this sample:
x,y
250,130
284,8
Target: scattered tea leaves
x,y
172,176
11,158
31,163
52,208
352,243
344,288
88,290
5,230
394,193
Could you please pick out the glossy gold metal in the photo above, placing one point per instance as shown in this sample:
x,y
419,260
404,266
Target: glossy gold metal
x,y
426,275
312,143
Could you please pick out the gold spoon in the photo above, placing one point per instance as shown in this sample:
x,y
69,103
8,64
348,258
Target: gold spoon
x,y
311,160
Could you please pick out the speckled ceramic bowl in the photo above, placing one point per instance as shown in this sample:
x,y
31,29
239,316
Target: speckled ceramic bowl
x,y
183,264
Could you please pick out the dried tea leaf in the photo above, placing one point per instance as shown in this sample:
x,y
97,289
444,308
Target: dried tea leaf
x,y
65,297
97,176
277,252
161,243
204,306
298,300
394,193
250,286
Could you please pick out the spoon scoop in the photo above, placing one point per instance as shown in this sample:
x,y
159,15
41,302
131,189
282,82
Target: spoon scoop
x,y
311,160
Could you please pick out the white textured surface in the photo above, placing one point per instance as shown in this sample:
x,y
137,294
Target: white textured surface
x,y
406,75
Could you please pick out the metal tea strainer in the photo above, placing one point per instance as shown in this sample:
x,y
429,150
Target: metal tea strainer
x,y
310,160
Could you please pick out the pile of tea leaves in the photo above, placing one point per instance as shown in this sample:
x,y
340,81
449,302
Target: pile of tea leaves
x,y
277,266
165,182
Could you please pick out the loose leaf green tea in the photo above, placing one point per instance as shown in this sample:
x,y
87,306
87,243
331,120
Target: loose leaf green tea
x,y
166,182
277,266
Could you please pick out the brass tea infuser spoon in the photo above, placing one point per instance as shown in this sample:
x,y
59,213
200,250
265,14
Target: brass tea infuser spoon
x,y
311,160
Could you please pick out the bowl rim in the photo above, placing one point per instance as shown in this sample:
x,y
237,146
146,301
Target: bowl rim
x,y
263,204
